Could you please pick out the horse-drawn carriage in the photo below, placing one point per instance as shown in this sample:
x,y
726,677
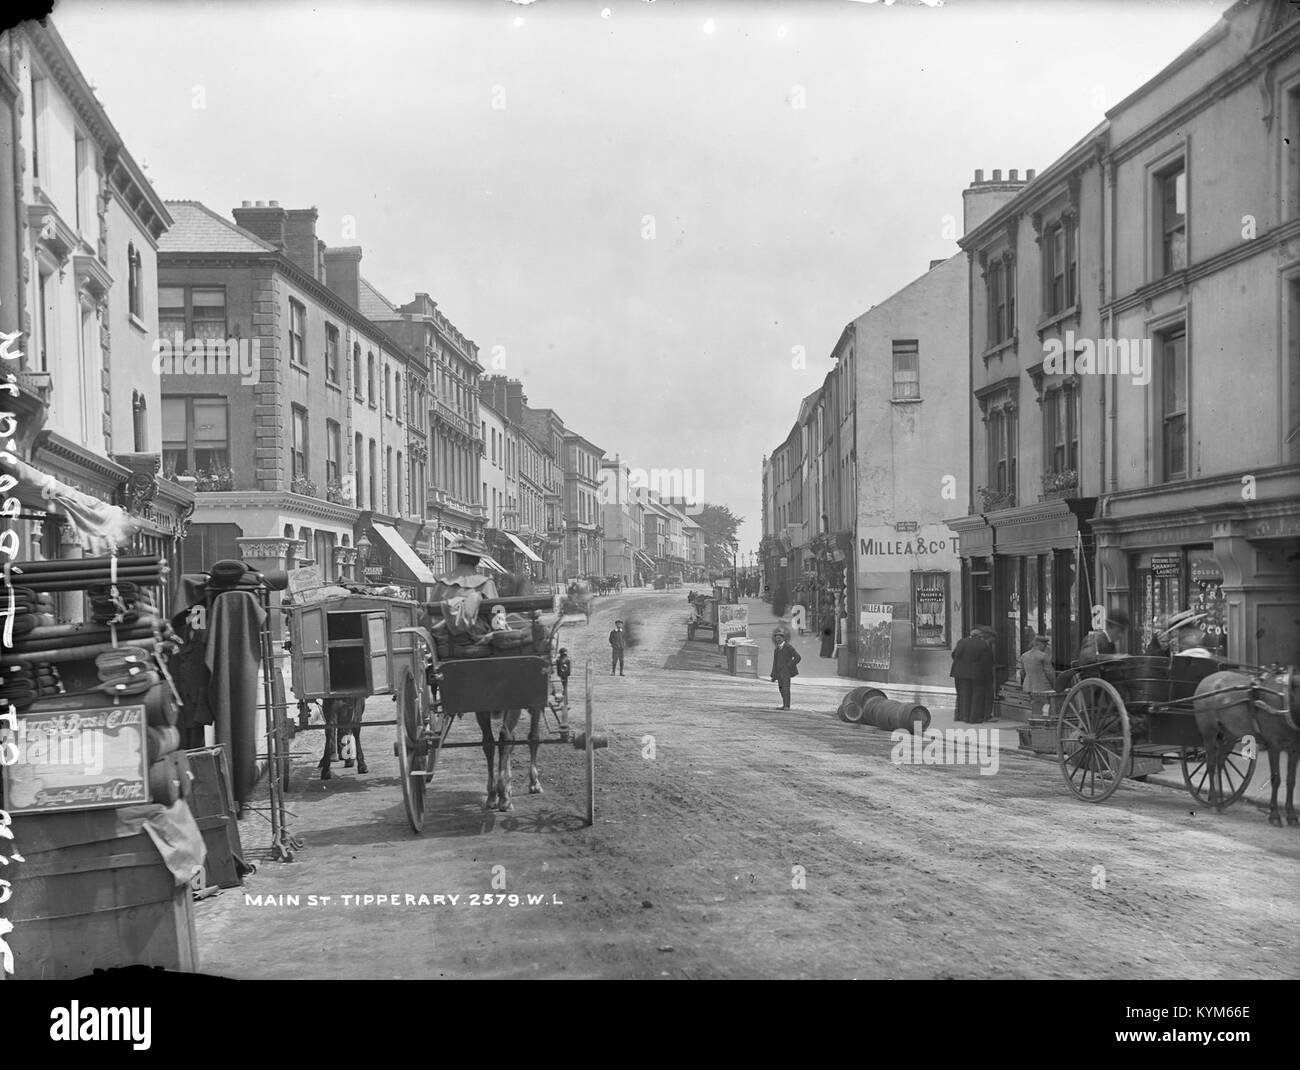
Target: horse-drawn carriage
x,y
1209,713
347,648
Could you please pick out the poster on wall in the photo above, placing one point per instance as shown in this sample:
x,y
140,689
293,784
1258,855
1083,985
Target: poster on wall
x,y
875,626
733,622
77,760
930,609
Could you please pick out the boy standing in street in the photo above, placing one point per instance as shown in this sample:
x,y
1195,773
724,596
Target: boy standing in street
x,y
617,645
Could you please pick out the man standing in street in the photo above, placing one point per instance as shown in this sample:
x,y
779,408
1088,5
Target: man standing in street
x,y
784,661
617,645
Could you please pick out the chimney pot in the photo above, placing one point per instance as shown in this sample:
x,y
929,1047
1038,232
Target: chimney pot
x,y
1014,174
997,174
247,204
1029,175
274,204
259,204
979,175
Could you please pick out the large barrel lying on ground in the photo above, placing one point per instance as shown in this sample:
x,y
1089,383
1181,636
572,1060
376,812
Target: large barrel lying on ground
x,y
869,705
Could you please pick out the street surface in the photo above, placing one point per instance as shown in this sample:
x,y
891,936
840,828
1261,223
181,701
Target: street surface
x,y
753,843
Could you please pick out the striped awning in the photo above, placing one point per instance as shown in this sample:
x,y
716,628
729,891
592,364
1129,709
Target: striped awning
x,y
522,547
491,563
646,559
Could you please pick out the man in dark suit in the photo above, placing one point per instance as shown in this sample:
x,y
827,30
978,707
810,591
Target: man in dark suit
x,y
784,661
617,645
972,673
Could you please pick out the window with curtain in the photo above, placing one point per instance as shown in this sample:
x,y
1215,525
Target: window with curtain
x,y
1172,185
1173,401
333,449
299,451
195,436
331,353
297,333
907,370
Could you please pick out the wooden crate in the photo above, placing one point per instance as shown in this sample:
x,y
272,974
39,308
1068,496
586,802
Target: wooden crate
x,y
212,803
86,898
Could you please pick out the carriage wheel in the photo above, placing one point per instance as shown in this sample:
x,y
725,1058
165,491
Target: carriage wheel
x,y
1237,772
1094,743
415,757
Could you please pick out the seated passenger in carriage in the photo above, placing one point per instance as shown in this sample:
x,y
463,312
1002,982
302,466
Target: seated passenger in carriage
x,y
1188,629
465,576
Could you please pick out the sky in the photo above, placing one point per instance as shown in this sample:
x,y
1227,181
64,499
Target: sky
x,y
644,211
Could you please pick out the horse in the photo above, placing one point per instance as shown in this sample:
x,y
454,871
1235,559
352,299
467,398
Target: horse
x,y
502,740
343,716
1267,705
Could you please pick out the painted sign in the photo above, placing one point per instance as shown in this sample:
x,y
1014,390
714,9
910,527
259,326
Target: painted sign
x,y
882,547
78,760
906,525
875,628
306,578
733,622
1166,565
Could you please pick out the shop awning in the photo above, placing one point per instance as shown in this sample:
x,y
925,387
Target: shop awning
x,y
448,536
406,552
491,562
645,558
520,544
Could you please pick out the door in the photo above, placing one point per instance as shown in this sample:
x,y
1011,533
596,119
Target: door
x,y
310,658
381,677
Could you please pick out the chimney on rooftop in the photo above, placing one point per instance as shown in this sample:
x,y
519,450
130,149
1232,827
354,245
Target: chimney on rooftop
x,y
300,243
981,199
343,272
266,223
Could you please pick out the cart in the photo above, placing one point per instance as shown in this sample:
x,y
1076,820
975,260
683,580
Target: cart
x,y
363,645
1119,712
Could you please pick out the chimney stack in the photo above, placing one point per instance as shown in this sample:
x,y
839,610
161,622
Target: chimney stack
x,y
300,244
1029,175
266,223
981,199
342,272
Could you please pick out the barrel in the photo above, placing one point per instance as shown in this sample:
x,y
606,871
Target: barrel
x,y
851,706
89,898
889,714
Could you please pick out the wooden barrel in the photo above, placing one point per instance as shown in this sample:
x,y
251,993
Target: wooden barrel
x,y
851,706
889,714
87,898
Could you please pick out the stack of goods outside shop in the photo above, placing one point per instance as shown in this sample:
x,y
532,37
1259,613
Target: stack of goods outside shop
x,y
121,813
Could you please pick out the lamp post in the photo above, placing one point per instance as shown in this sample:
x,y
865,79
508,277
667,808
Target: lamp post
x,y
364,547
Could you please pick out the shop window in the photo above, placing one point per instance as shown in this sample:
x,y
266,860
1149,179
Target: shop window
x,y
1160,591
930,617
1293,369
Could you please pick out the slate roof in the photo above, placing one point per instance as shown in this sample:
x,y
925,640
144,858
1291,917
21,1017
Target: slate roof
x,y
374,305
198,229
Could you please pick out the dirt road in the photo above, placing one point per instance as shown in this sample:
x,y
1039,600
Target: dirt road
x,y
735,840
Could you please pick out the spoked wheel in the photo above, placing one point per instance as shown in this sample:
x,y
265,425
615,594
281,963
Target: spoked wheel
x,y
416,755
1094,743
1237,771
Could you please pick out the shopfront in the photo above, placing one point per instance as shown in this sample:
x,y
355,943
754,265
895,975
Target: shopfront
x,y
1201,546
907,603
1026,572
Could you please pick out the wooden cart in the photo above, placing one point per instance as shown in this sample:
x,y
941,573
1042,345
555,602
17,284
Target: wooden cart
x,y
1120,710
361,645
